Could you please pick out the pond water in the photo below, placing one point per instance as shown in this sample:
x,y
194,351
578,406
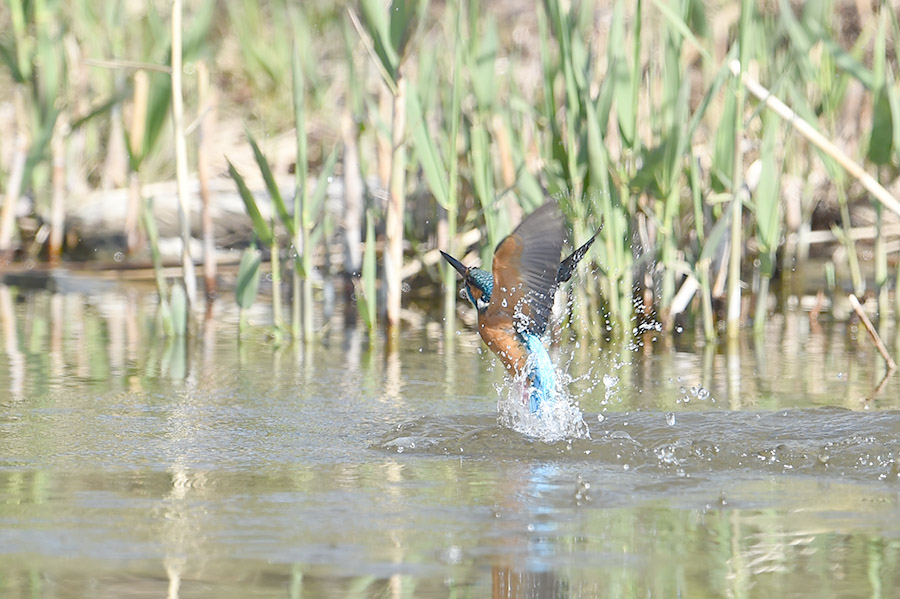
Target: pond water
x,y
133,466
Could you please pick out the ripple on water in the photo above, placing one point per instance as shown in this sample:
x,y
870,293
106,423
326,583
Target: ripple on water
x,y
820,441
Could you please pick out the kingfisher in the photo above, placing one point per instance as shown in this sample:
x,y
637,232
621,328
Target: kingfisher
x,y
514,303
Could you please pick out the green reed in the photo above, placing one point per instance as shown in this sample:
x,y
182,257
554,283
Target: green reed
x,y
32,54
366,293
390,36
246,287
880,149
308,206
249,270
768,217
299,225
436,153
627,127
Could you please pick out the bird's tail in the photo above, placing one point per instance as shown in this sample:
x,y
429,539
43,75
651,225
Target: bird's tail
x,y
542,380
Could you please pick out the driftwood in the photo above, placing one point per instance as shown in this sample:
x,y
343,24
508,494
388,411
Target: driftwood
x,y
98,217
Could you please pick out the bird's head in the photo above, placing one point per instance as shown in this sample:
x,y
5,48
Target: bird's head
x,y
478,283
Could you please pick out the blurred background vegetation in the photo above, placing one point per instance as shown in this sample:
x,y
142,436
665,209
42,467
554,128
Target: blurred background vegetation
x,y
439,125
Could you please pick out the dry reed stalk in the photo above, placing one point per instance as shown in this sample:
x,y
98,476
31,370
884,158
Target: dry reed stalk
x,y
353,207
353,195
501,137
76,141
817,139
17,173
115,164
382,144
57,201
8,214
873,334
181,166
733,316
136,136
507,167
393,257
127,64
207,99
854,234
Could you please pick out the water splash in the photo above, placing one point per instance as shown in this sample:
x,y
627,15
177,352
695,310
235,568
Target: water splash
x,y
537,403
556,420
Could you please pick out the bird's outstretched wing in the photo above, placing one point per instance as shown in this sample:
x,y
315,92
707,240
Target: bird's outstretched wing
x,y
525,268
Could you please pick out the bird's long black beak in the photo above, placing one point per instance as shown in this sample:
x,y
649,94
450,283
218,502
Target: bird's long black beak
x,y
455,263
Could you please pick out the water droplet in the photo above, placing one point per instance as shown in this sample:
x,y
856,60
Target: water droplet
x,y
703,393
695,390
600,417
454,554
118,256
670,418
679,329
610,380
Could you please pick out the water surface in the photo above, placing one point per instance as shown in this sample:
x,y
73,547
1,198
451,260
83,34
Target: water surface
x,y
132,466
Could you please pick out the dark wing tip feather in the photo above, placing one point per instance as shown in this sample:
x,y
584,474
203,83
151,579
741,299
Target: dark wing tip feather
x,y
567,266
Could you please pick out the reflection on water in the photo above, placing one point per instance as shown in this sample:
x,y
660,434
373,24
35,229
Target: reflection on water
x,y
134,466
